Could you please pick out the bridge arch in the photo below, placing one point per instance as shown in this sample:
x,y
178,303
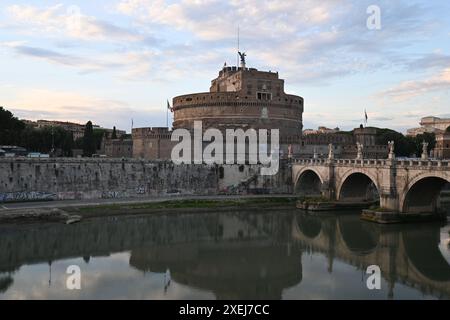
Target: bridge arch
x,y
357,185
308,182
421,193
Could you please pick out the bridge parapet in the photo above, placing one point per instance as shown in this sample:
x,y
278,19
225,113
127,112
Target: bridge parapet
x,y
376,162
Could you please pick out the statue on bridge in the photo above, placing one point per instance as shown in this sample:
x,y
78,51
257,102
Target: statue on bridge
x,y
330,151
359,154
424,150
391,146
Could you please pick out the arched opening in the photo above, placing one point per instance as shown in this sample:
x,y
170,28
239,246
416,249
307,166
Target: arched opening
x,y
428,195
358,187
308,184
360,237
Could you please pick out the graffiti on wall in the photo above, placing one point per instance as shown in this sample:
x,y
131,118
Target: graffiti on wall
x,y
26,196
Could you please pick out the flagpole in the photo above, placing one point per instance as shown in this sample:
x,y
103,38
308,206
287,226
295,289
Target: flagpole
x,y
167,115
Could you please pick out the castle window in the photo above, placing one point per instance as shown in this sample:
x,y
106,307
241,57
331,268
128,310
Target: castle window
x,y
264,96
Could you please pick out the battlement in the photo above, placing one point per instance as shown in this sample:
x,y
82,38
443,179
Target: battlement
x,y
155,132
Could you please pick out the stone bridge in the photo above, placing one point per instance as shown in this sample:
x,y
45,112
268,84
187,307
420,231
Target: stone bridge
x,y
405,186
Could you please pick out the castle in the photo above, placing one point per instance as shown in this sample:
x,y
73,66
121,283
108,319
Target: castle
x,y
239,97
246,98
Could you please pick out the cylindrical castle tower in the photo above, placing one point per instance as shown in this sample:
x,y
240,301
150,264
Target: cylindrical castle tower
x,y
242,98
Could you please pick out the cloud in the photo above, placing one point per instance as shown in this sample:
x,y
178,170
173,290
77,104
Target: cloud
x,y
34,104
430,61
409,89
321,41
130,64
67,21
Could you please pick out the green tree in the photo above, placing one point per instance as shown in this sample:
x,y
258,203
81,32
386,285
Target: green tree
x,y
89,144
427,137
404,146
448,129
10,128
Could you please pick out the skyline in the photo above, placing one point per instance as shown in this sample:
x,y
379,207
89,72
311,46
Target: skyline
x,y
113,61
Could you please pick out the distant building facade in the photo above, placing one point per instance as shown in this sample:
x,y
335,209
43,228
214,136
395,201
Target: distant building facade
x,y
77,129
430,125
442,148
315,143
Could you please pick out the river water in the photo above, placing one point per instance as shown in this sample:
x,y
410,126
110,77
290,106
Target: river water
x,y
269,254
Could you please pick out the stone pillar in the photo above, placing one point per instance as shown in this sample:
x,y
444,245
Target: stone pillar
x,y
388,190
329,186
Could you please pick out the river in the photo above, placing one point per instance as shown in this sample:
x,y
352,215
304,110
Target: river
x,y
238,254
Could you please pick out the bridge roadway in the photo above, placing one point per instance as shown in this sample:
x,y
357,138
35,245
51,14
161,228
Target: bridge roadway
x,y
404,186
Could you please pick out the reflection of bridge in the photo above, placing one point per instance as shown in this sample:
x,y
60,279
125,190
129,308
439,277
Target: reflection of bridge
x,y
407,255
401,185
238,254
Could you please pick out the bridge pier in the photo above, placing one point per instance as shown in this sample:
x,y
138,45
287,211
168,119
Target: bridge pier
x,y
389,201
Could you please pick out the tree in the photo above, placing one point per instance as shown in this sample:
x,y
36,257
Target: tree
x,y
114,134
404,146
89,145
448,129
427,137
10,128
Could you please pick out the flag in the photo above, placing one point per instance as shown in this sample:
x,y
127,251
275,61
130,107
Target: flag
x,y
169,107
365,115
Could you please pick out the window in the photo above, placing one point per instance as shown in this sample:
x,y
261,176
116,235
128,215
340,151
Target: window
x,y
264,96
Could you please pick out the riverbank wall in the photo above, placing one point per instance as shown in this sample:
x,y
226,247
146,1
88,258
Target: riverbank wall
x,y
81,178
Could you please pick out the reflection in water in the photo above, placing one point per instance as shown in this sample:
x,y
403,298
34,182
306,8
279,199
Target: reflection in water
x,y
234,255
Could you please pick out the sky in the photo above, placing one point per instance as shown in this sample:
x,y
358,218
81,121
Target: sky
x,y
111,61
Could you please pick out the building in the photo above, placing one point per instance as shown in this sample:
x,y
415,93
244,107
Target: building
x,y
315,143
430,125
117,148
76,128
244,98
442,148
320,130
152,143
239,98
